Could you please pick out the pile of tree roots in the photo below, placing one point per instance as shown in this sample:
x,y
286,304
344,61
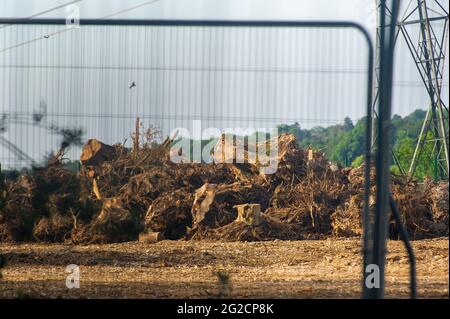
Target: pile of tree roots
x,y
125,194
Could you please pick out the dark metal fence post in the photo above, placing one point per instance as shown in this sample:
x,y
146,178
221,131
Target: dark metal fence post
x,y
376,257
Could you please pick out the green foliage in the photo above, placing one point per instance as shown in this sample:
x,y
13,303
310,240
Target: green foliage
x,y
358,161
341,143
345,143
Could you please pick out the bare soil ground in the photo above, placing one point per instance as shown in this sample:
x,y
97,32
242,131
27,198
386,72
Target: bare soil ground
x,y
191,269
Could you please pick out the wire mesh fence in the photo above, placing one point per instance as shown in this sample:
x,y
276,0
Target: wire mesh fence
x,y
99,78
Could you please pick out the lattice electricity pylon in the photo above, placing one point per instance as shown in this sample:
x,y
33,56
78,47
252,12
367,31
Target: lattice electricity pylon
x,y
427,48
376,83
428,51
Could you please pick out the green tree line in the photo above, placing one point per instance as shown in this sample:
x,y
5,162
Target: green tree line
x,y
345,143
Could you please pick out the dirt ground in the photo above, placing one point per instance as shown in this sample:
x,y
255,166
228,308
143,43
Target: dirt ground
x,y
199,269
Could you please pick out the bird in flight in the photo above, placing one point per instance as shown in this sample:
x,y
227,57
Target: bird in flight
x,y
46,36
133,84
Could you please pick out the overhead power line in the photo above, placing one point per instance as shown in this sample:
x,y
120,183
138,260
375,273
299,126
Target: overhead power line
x,y
46,36
45,11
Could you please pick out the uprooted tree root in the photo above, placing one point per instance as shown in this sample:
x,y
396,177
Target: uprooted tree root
x,y
120,194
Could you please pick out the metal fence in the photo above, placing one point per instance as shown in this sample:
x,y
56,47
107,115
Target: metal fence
x,y
103,75
177,74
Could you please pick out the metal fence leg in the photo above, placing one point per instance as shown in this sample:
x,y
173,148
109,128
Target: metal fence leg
x,y
375,254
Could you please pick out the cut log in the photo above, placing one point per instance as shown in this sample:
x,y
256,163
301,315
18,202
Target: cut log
x,y
95,152
204,197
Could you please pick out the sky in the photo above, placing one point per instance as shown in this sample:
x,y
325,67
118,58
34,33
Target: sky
x,y
200,9
223,77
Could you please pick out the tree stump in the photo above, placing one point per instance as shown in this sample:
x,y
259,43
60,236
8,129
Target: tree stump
x,y
249,214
